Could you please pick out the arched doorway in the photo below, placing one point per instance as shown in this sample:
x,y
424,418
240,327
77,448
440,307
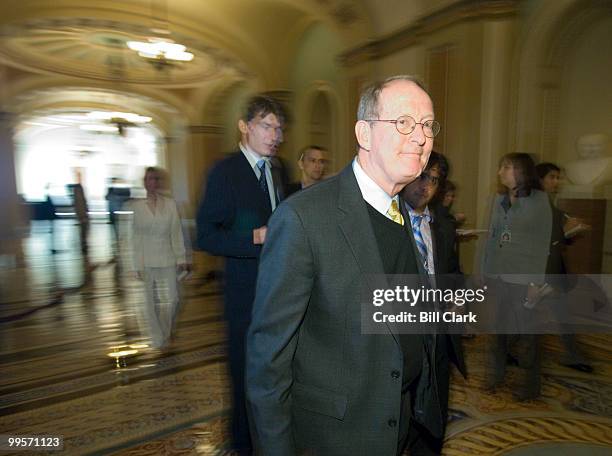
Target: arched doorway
x,y
51,149
321,121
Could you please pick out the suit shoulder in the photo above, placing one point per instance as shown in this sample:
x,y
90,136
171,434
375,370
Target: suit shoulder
x,y
542,201
315,195
227,163
539,194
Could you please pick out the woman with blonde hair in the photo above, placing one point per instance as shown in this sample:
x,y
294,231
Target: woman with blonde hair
x,y
158,256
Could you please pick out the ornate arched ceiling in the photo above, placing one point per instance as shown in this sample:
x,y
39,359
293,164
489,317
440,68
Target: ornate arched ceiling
x,y
96,49
43,102
231,39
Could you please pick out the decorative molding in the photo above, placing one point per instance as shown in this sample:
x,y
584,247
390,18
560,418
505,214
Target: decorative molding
x,y
343,13
550,122
463,11
281,95
207,129
577,19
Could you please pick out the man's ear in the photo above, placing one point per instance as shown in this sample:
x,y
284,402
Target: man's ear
x,y
363,133
243,127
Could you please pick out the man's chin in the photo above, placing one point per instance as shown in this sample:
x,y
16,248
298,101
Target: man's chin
x,y
410,174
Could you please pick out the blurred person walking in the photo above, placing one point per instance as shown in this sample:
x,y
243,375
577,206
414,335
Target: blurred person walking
x,y
116,195
242,191
549,176
312,164
79,202
158,255
516,254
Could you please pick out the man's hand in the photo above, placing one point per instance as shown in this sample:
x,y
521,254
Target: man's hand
x,y
187,267
574,226
532,293
571,223
259,235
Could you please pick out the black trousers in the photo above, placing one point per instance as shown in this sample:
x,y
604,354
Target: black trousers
x,y
238,316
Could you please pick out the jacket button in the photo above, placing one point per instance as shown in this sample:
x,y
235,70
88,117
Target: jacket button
x,y
392,423
395,374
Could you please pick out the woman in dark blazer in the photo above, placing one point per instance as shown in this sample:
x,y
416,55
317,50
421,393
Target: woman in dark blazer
x,y
515,259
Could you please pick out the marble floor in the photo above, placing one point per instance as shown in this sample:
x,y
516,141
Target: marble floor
x,y
61,317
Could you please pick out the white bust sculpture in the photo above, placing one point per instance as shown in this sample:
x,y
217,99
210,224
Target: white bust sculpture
x,y
594,167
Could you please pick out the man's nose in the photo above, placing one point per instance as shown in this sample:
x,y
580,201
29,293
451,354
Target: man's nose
x,y
418,134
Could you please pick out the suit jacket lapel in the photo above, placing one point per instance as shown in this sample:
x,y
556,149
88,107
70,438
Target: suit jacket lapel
x,y
277,182
355,224
250,175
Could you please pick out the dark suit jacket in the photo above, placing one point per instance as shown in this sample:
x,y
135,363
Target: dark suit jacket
x,y
233,206
315,382
293,187
446,257
449,276
448,346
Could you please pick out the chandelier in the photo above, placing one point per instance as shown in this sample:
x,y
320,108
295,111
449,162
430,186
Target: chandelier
x,y
162,49
159,49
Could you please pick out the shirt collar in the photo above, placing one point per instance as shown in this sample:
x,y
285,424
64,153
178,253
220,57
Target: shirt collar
x,y
371,191
252,156
426,214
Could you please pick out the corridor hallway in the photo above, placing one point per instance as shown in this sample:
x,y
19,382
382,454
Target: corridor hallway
x,y
57,329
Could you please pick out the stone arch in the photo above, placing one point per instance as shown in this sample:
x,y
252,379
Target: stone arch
x,y
550,34
322,96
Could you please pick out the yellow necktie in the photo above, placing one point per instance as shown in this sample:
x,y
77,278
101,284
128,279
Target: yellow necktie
x,y
395,214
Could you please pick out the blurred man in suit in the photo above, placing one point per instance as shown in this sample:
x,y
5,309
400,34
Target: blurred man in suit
x,y
549,175
241,193
312,163
316,383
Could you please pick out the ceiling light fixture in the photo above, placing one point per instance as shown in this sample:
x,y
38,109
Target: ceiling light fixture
x,y
99,128
160,50
115,115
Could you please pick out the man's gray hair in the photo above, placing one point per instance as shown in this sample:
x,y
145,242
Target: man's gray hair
x,y
368,103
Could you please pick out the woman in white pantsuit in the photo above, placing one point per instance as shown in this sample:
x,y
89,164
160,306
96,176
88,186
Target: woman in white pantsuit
x,y
159,254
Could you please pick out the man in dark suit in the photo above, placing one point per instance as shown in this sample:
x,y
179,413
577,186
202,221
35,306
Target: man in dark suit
x,y
437,231
312,163
549,176
316,383
242,192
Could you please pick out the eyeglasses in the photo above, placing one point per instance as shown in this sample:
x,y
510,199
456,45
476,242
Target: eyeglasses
x,y
406,125
429,179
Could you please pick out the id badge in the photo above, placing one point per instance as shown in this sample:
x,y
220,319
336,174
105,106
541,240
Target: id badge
x,y
506,236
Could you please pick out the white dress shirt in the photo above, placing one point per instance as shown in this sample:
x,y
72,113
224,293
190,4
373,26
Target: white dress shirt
x,y
371,191
253,158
